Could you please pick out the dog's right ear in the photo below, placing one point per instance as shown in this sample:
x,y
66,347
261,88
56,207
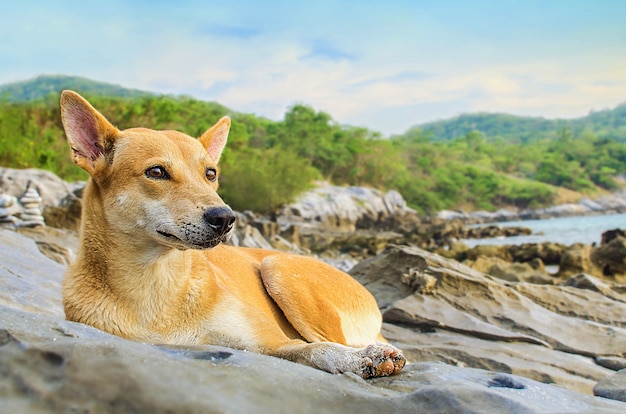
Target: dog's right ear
x,y
214,140
88,132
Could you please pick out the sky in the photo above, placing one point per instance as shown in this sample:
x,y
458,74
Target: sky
x,y
384,65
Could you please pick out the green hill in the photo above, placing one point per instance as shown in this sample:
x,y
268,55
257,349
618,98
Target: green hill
x,y
42,86
476,161
605,124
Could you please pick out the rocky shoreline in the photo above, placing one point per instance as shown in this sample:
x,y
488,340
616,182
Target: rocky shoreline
x,y
487,329
608,204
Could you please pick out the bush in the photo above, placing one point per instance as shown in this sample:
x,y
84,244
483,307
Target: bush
x,y
262,180
268,163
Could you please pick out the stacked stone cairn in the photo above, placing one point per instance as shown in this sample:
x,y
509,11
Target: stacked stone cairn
x,y
8,208
31,216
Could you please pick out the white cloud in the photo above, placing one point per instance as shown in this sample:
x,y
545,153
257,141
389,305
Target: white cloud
x,y
386,67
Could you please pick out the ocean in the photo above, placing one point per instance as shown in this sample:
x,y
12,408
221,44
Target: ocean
x,y
565,230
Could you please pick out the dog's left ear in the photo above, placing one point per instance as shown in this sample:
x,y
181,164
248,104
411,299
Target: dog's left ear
x,y
214,140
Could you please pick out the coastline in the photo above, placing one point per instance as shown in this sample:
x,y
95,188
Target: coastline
x,y
614,203
567,230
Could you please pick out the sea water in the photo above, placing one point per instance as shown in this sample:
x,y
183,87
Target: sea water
x,y
564,230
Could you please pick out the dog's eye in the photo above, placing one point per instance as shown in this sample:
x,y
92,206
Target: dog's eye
x,y
211,174
157,172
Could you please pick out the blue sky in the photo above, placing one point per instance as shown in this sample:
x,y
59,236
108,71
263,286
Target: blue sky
x,y
385,65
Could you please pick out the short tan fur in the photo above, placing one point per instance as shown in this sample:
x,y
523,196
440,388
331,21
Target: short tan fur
x,y
153,265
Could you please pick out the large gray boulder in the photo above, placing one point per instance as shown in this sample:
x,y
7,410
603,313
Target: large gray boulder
x,y
446,311
343,208
51,188
48,364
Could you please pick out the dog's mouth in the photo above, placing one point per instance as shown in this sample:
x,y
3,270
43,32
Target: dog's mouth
x,y
174,240
168,235
195,244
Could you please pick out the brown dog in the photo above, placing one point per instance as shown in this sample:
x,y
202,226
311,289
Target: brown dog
x,y
152,265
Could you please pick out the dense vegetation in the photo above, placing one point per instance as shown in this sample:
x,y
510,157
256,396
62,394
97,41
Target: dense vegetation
x,y
610,124
42,86
267,162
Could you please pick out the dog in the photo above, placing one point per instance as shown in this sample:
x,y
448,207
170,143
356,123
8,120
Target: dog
x,y
153,265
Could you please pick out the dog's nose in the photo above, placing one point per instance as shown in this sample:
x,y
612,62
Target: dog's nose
x,y
221,219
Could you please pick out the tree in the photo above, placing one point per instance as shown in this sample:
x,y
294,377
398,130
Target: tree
x,y
262,180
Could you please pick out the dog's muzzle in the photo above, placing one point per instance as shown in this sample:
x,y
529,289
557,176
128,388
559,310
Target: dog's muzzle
x,y
215,227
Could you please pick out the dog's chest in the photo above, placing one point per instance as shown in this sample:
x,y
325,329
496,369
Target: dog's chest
x,y
230,324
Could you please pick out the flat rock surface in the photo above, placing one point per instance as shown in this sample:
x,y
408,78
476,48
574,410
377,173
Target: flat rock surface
x,y
546,332
48,364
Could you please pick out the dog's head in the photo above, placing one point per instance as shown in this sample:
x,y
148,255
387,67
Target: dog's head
x,y
154,186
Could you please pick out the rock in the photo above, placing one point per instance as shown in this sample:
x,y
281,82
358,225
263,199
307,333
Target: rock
x,y
451,215
66,215
484,232
405,222
549,253
8,208
343,262
29,281
48,364
585,281
382,275
7,201
283,245
56,244
614,363
613,387
488,250
343,208
58,366
516,231
576,259
577,303
609,235
513,272
562,210
565,210
251,237
442,232
31,215
318,240
610,259
419,281
493,266
484,264
612,203
479,216
615,201
455,250
538,264
434,384
265,227
549,333
51,188
313,238
424,310
607,261
574,372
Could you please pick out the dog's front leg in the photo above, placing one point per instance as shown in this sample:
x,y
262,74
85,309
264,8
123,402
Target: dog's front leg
x,y
378,360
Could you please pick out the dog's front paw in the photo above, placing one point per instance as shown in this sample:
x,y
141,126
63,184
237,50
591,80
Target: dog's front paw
x,y
381,361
